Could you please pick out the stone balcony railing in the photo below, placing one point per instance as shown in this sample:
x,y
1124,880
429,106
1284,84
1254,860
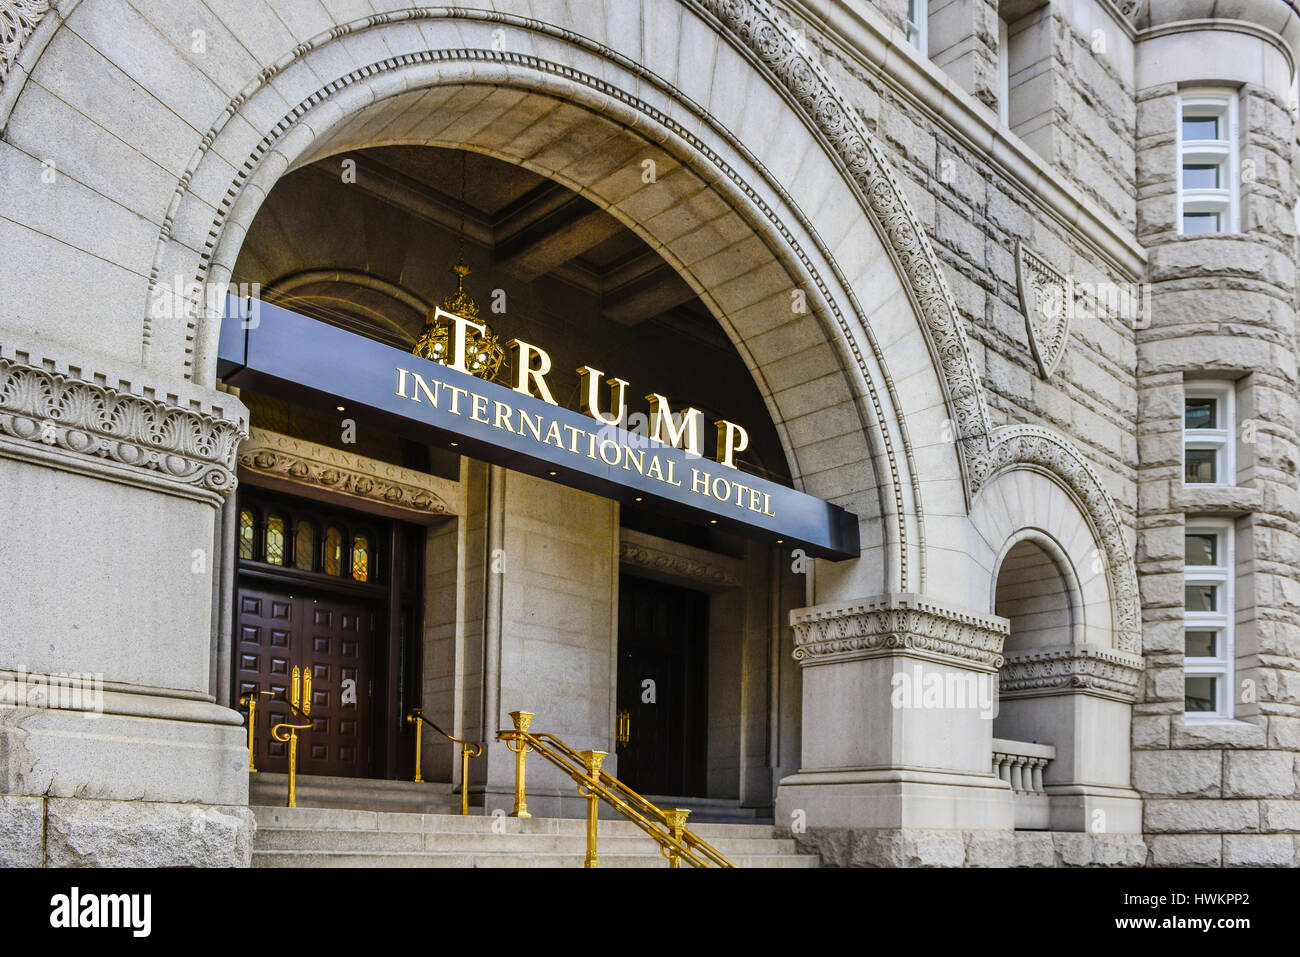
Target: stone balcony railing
x,y
1021,765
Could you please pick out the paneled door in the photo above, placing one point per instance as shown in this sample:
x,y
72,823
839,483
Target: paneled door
x,y
333,637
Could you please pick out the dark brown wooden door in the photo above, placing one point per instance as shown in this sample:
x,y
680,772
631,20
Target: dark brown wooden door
x,y
662,685
336,639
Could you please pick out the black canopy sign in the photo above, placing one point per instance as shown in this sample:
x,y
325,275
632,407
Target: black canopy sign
x,y
272,350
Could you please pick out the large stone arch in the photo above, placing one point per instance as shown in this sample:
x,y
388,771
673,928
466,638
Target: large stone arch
x,y
306,65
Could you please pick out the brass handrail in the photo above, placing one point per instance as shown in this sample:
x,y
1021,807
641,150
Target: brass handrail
x,y
299,695
416,717
250,702
676,843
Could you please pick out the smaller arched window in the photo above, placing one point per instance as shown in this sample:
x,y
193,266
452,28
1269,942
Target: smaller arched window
x,y
247,533
275,540
361,558
333,551
304,546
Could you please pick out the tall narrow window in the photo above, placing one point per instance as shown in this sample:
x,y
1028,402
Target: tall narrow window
x,y
304,546
1207,162
1208,619
918,16
247,530
1004,73
333,552
1208,434
361,558
275,540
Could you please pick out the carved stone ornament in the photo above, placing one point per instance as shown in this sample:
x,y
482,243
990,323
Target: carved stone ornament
x,y
1045,296
897,623
305,463
675,564
1065,668
18,18
107,427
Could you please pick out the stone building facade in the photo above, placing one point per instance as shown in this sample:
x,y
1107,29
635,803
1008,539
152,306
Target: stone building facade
x,y
1012,281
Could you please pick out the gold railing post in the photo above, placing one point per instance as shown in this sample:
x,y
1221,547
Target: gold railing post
x,y
293,769
592,761
414,718
251,701
521,720
465,755
676,819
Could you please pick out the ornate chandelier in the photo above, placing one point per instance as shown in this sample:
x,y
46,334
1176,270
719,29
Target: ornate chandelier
x,y
483,353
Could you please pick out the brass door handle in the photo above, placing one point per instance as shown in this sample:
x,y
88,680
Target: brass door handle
x,y
623,733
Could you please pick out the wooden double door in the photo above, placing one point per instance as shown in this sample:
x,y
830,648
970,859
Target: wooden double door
x,y
337,594
334,639
662,688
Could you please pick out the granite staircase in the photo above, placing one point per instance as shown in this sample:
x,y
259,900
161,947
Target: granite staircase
x,y
348,837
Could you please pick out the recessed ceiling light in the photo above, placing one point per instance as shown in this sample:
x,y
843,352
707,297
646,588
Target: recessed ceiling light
x,y
550,473
713,521
340,408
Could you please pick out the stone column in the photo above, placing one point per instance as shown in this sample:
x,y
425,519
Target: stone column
x,y
112,747
899,692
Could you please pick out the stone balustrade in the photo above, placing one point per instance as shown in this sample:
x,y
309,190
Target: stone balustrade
x,y
1021,765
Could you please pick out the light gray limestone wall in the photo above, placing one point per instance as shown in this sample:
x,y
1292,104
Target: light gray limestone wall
x,y
1221,793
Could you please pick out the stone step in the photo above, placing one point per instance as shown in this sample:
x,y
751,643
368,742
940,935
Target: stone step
x,y
713,810
358,820
512,860
306,839
318,791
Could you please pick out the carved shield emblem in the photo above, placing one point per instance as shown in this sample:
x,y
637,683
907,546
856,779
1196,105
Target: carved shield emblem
x,y
1047,300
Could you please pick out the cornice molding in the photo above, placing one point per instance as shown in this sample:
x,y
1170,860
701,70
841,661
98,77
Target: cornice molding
x,y
287,459
68,415
898,624
1063,669
668,559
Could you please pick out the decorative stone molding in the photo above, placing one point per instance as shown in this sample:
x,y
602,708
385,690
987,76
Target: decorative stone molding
x,y
305,463
1043,293
18,18
103,425
1066,668
1027,446
672,560
890,624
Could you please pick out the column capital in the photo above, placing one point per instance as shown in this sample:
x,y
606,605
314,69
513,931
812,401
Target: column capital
x,y
901,622
1061,669
99,418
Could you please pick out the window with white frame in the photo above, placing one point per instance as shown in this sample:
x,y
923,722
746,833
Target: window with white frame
x,y
918,16
1004,73
1209,434
1207,162
1208,611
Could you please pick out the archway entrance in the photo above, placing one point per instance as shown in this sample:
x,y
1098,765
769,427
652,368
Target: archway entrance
x,y
597,599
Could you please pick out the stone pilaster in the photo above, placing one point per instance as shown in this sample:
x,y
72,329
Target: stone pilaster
x,y
110,737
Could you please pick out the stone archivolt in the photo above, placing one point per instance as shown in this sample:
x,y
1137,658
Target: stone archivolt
x,y
1101,671
895,623
89,426
282,457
